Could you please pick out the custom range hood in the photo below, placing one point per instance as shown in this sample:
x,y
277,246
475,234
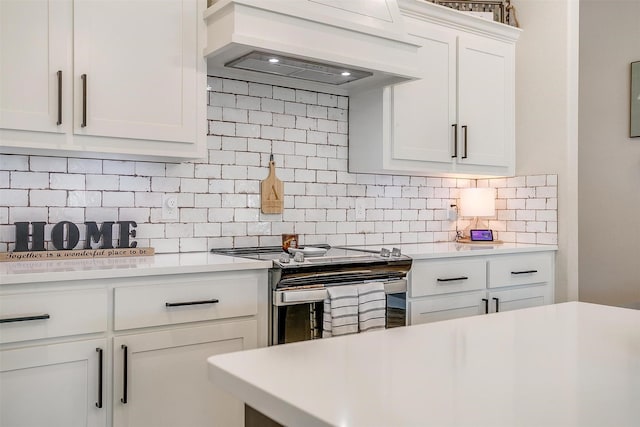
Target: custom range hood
x,y
340,46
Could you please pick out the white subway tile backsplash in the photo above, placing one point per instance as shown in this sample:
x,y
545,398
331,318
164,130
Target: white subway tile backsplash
x,y
80,198
47,164
60,181
117,167
193,244
118,199
4,179
219,201
235,86
48,198
135,183
248,102
57,214
29,180
260,90
10,162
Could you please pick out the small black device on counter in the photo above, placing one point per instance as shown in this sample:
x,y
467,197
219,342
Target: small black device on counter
x,y
481,235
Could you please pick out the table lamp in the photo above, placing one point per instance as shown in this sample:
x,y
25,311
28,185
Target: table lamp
x,y
477,203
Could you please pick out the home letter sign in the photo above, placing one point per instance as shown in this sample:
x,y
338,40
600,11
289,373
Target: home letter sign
x,y
72,233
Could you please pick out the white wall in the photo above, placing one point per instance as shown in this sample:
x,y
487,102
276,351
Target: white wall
x,y
609,159
546,116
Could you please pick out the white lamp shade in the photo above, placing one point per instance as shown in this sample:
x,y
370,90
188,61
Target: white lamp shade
x,y
478,202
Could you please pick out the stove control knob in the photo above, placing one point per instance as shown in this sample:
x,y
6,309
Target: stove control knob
x,y
395,252
284,258
384,252
298,257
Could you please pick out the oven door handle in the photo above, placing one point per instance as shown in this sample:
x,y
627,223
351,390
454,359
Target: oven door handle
x,y
306,296
301,296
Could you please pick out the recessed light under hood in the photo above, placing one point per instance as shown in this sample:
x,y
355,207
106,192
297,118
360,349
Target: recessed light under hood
x,y
297,68
316,42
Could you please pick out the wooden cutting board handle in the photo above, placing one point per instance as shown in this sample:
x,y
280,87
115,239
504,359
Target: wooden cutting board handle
x,y
272,192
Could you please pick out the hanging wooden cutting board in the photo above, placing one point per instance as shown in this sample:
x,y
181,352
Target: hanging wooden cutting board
x,y
272,191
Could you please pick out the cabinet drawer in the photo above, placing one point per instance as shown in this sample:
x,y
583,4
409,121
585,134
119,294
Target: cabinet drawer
x,y
440,277
30,316
190,301
520,269
446,307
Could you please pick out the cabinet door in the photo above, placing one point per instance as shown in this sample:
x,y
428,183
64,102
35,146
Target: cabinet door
x,y
424,110
485,101
52,385
35,40
140,62
524,297
446,307
167,380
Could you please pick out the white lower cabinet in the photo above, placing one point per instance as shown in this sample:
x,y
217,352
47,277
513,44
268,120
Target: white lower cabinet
x,y
160,378
126,352
449,288
57,385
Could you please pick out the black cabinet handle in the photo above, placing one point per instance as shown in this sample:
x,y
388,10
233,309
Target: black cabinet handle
x,y
84,101
466,134
455,140
124,371
99,402
59,73
451,279
25,318
486,305
179,304
497,304
524,272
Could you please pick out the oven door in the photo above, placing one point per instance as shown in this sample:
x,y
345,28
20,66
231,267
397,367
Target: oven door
x,y
297,312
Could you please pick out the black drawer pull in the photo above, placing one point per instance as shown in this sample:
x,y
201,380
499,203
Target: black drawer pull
x,y
524,272
24,318
84,101
497,304
452,279
466,134
486,305
59,74
178,304
455,140
123,399
99,402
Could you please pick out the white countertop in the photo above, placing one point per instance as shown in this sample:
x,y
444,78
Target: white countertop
x,y
453,249
100,268
571,364
198,262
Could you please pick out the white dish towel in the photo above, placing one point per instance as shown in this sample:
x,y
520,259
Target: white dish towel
x,y
372,306
351,309
340,315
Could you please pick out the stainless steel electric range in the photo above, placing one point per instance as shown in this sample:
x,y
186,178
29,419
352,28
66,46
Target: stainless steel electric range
x,y
299,284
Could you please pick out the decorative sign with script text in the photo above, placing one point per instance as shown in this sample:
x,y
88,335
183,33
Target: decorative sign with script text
x,y
65,236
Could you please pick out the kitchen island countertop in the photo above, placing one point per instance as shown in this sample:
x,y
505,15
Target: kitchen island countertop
x,y
570,364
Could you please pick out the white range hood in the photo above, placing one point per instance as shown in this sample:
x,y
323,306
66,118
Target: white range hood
x,y
340,46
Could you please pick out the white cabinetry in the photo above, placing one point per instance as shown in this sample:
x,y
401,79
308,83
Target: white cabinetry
x,y
441,289
46,383
53,385
55,337
160,378
459,118
102,78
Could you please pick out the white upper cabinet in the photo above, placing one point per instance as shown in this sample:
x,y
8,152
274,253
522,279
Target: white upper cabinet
x,y
458,118
105,78
35,51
